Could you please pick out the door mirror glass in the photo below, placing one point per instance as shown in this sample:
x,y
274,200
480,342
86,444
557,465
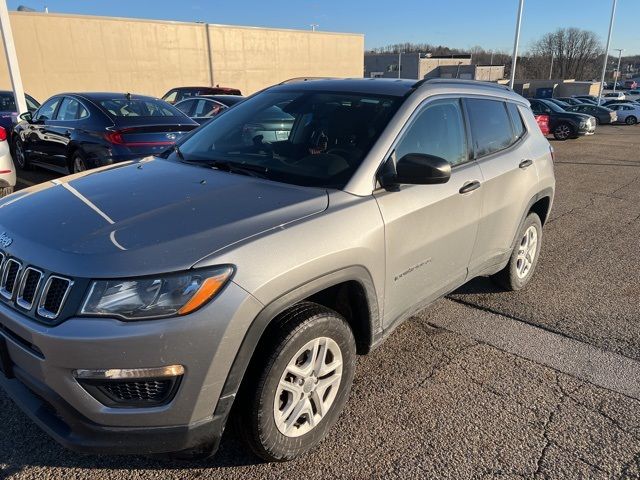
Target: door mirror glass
x,y
26,116
422,169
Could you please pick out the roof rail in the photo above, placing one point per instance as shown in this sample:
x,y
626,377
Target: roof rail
x,y
458,81
304,79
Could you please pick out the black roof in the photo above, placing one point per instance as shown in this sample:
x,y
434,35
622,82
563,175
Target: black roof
x,y
375,86
98,96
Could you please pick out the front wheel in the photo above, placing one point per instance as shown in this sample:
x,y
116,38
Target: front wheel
x,y
631,120
297,390
21,156
563,131
524,258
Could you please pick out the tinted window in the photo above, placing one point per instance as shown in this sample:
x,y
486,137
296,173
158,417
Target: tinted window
x,y
71,109
438,130
516,118
490,125
121,107
207,108
185,107
47,110
299,137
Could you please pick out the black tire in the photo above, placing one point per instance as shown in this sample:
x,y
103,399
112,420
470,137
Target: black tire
x,y
78,162
254,414
508,278
20,157
564,131
631,120
6,191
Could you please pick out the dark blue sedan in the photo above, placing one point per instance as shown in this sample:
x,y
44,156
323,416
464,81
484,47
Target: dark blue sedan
x,y
73,132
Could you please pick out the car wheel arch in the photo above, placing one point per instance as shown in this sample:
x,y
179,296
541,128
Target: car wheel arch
x,y
540,204
311,291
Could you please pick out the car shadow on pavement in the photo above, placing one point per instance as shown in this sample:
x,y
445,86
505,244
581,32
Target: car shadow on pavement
x,y
477,286
23,444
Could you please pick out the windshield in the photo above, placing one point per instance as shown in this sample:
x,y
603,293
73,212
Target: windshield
x,y
305,138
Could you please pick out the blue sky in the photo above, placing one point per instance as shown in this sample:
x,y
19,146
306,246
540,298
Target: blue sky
x,y
455,23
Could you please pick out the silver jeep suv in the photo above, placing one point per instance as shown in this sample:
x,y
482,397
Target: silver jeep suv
x,y
142,301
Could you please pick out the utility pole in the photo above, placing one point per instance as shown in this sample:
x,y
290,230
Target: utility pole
x,y
399,63
606,50
516,43
551,68
615,78
12,58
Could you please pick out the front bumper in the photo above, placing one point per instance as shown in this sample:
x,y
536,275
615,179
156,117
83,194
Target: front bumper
x,y
205,342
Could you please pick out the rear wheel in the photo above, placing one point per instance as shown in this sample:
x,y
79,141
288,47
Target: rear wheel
x,y
6,191
563,131
290,400
78,162
524,258
21,156
631,120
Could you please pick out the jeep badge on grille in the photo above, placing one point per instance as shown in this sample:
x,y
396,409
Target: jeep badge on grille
x,y
5,240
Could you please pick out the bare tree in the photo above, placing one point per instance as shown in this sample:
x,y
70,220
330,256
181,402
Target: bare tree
x,y
575,54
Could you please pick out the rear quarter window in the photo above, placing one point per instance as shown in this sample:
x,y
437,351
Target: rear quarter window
x,y
519,128
490,126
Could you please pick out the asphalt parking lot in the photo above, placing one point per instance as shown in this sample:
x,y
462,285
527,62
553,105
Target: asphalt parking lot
x,y
541,383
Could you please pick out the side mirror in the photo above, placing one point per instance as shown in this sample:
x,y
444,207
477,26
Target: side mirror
x,y
417,169
26,116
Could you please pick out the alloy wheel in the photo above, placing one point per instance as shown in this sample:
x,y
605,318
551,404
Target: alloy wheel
x,y
78,164
563,132
19,150
527,252
308,387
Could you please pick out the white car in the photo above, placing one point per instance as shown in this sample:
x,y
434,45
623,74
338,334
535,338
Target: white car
x,y
615,96
7,169
628,113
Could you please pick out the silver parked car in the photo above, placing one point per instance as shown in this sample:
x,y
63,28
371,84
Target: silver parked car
x,y
141,302
7,168
628,113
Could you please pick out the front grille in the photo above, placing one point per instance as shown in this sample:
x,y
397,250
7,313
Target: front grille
x,y
28,287
25,287
10,273
54,294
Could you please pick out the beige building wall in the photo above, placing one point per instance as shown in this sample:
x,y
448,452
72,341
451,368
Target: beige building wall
x,y
59,53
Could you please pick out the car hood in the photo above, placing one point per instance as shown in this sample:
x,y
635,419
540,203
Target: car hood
x,y
145,217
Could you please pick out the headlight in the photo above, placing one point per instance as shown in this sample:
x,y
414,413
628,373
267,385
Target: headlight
x,y
155,297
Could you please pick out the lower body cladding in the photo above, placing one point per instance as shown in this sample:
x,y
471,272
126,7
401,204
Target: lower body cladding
x,y
162,389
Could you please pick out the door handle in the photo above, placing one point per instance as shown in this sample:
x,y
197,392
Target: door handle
x,y
470,187
525,163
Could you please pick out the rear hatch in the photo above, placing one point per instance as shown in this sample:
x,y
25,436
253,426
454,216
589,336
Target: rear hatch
x,y
149,135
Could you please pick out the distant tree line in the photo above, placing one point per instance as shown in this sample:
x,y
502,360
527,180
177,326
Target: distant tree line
x,y
576,54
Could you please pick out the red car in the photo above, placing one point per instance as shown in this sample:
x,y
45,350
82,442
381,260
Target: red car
x,y
180,93
543,123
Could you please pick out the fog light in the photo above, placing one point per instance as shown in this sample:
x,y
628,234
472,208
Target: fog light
x,y
132,387
129,373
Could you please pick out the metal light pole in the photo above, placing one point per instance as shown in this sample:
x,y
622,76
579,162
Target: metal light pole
x,y
313,26
12,58
551,68
399,63
615,79
606,50
516,43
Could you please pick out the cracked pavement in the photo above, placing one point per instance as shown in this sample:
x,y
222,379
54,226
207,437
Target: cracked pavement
x,y
441,398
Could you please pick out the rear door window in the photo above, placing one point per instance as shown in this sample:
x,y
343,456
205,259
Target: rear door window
x,y
438,130
490,126
71,109
186,107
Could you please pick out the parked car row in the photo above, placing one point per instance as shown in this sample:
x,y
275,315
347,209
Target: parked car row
x,y
572,117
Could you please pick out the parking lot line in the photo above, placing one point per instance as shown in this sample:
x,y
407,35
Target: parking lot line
x,y
583,361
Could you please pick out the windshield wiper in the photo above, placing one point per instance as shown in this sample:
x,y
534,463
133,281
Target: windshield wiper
x,y
232,167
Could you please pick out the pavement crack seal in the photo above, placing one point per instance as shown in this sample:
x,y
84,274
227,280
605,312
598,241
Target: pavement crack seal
x,y
556,350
